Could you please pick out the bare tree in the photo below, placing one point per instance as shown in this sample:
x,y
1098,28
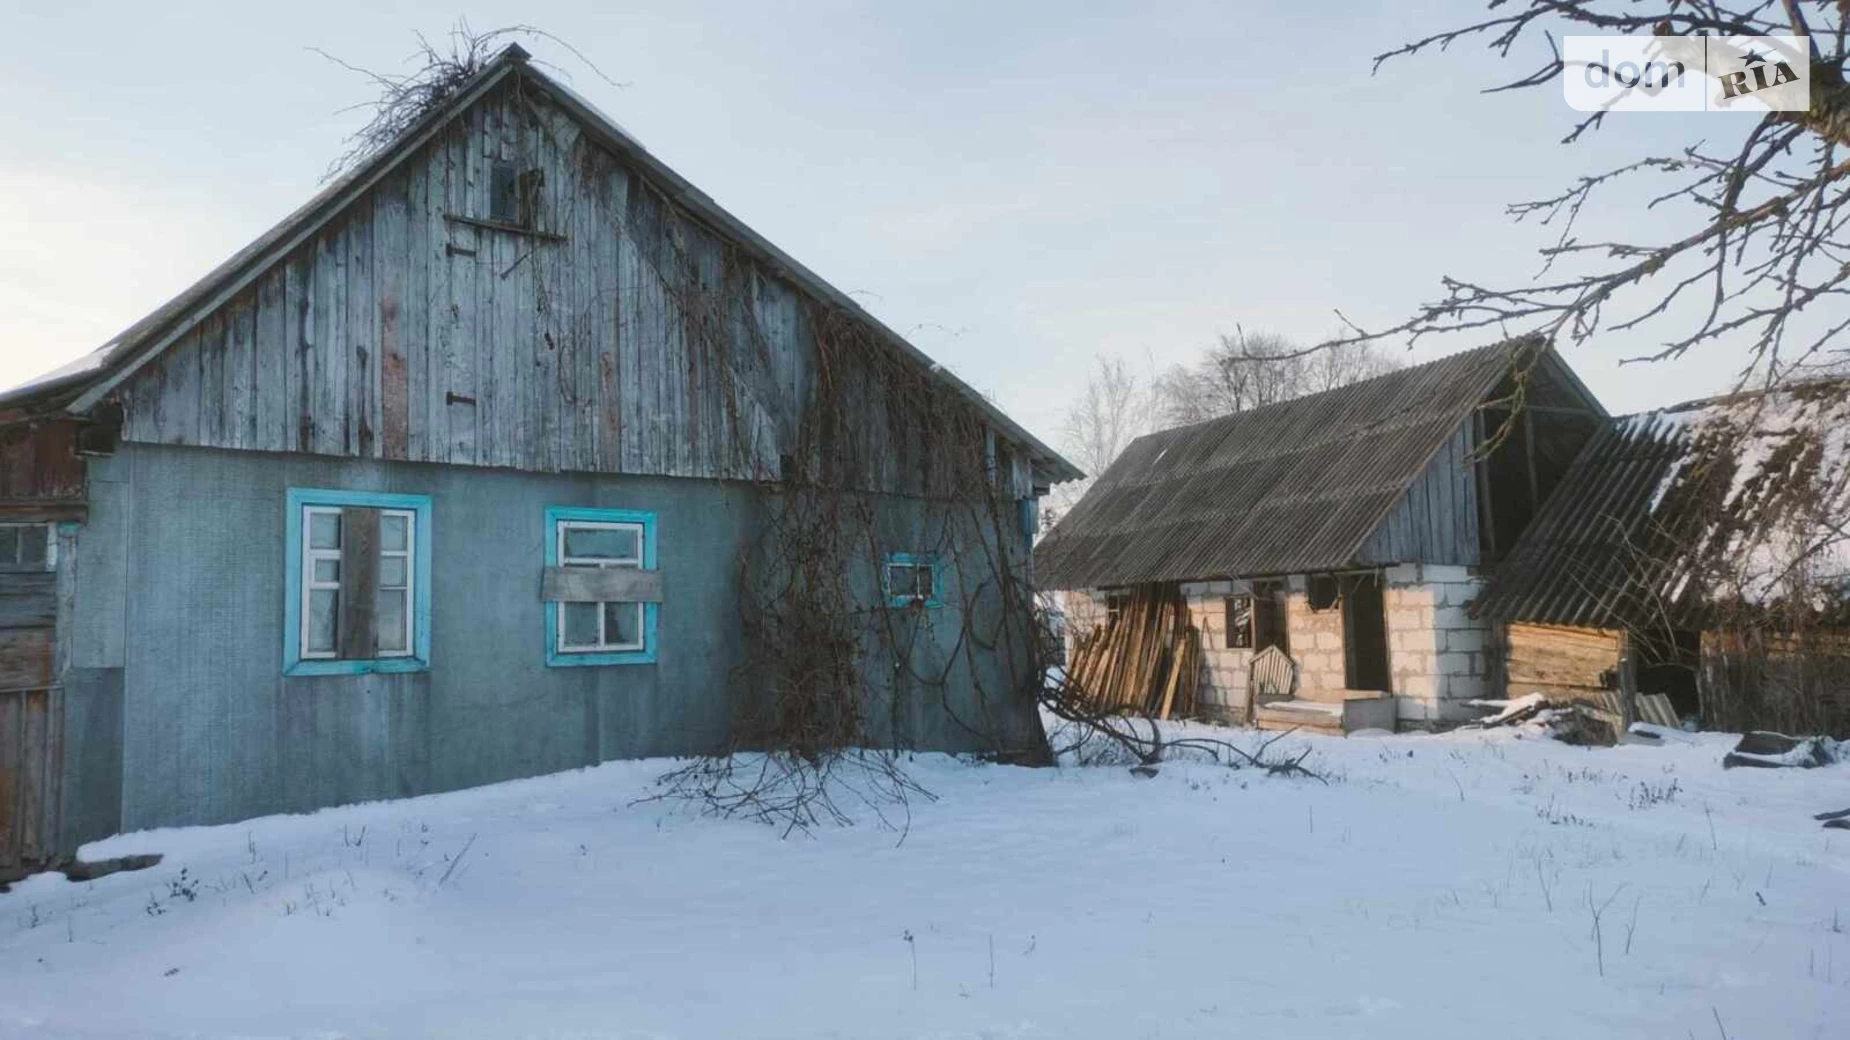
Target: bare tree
x,y
1244,371
1760,258
1111,413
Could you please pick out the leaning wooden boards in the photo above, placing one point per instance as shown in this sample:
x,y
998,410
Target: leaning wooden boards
x,y
1145,660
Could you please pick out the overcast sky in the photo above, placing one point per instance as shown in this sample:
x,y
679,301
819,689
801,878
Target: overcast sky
x,y
1018,186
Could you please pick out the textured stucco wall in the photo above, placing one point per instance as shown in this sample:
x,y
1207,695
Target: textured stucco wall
x,y
185,716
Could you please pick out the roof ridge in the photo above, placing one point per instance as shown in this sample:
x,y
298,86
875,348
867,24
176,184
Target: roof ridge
x,y
1398,373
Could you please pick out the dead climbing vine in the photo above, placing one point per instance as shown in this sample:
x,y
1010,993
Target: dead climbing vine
x,y
851,445
839,679
436,72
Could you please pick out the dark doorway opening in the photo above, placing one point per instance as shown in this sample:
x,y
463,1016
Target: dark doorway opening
x,y
1269,627
1365,642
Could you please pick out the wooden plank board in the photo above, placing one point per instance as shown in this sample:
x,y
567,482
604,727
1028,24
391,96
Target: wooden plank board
x,y
12,762
28,599
34,778
25,658
357,636
601,585
391,269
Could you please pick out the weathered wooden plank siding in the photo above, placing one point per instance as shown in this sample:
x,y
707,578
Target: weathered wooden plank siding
x,y
39,469
1553,659
1437,521
624,338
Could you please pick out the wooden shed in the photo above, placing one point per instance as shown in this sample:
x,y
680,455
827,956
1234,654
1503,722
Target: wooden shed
x,y
1695,552
1349,529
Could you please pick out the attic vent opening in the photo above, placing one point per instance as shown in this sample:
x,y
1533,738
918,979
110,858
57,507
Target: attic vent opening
x,y
513,194
504,193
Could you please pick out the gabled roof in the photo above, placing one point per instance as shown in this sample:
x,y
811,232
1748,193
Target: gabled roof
x,y
79,386
1289,488
1664,512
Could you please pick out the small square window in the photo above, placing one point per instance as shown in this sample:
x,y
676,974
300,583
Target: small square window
x,y
26,547
913,580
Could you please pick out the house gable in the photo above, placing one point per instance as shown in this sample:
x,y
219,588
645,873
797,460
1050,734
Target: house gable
x,y
622,323
1486,483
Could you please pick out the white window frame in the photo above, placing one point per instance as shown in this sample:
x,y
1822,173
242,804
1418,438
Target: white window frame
x,y
310,585
603,646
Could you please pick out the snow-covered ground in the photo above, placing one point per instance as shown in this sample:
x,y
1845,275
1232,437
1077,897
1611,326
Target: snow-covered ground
x,y
1437,887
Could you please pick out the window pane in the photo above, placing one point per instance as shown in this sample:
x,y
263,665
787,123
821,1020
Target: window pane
x,y
9,544
602,543
580,624
623,624
926,588
323,608
389,620
393,532
393,570
323,530
327,570
32,546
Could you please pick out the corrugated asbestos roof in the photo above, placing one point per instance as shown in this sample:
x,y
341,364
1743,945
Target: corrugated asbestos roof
x,y
1288,488
1663,511
76,387
1579,561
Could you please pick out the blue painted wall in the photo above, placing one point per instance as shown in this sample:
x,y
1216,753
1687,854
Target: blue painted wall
x,y
179,609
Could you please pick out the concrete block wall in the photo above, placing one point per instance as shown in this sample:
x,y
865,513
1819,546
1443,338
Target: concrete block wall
x,y
1224,669
1316,638
1439,655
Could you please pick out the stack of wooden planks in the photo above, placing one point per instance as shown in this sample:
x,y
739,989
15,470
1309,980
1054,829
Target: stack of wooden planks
x,y
1146,660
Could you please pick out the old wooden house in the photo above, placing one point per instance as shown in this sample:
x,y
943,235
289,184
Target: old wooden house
x,y
457,475
1322,553
1695,553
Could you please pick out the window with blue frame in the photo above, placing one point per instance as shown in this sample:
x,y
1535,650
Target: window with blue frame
x,y
914,580
602,589
358,581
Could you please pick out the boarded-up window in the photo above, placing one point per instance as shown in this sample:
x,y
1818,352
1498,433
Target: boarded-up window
x,y
359,582
601,589
607,625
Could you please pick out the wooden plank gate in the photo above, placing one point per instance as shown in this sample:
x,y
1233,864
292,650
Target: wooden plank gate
x,y
30,699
